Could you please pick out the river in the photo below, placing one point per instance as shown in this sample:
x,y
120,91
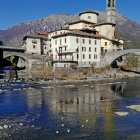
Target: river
x,y
31,111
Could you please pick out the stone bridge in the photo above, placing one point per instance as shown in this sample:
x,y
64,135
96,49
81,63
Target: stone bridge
x,y
6,51
110,57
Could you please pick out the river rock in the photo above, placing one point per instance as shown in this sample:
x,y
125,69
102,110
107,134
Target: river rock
x,y
134,107
1,128
121,114
21,124
5,126
32,126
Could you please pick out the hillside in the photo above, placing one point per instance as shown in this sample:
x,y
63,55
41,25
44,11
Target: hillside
x,y
126,29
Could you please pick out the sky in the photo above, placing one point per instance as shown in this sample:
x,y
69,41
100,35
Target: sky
x,y
13,12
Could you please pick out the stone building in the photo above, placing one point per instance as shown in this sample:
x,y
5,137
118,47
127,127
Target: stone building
x,y
37,43
84,41
81,42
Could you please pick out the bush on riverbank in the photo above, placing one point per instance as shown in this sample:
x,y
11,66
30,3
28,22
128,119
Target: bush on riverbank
x,y
132,61
73,74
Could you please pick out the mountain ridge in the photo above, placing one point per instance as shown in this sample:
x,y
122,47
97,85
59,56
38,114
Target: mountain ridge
x,y
125,28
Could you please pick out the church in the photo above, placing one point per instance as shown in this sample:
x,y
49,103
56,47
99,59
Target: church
x,y
82,42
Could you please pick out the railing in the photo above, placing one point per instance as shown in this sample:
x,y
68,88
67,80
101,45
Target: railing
x,y
67,51
63,59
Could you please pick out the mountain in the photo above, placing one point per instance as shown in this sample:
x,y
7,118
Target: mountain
x,y
125,29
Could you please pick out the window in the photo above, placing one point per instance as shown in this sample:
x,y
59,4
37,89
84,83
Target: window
x,y
89,41
60,42
83,49
55,33
95,42
45,48
55,49
65,56
65,48
77,56
83,56
65,40
55,42
109,3
77,49
89,56
105,43
60,32
34,46
95,49
77,40
89,17
83,41
55,56
95,56
113,3
34,41
89,49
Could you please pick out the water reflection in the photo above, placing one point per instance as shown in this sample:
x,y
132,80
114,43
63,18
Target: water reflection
x,y
73,112
76,106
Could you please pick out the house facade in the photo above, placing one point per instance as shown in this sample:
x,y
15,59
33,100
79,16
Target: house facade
x,y
37,44
81,42
76,47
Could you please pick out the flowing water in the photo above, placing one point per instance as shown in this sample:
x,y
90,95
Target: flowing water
x,y
32,111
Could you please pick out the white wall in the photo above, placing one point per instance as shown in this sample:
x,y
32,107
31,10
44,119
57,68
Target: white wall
x,y
72,46
30,46
106,30
91,17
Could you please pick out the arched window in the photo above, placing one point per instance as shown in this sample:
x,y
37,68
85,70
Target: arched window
x,y
95,56
113,3
109,3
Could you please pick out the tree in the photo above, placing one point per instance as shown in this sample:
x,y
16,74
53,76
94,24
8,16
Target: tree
x,y
133,61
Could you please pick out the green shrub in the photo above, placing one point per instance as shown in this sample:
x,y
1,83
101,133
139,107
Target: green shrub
x,y
133,61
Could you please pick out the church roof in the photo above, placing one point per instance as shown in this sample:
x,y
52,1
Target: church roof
x,y
89,11
81,21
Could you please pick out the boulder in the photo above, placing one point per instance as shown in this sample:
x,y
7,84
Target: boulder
x,y
5,126
1,128
121,114
134,107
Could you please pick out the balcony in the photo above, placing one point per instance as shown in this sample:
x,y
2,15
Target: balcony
x,y
67,51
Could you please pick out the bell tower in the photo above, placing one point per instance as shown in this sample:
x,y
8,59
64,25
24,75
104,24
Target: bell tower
x,y
111,11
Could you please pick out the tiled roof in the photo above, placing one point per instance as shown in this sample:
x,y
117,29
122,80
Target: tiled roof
x,y
81,21
59,30
35,36
42,33
105,23
77,32
81,33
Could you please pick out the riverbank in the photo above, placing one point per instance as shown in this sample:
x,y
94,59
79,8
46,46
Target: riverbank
x,y
96,78
72,77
